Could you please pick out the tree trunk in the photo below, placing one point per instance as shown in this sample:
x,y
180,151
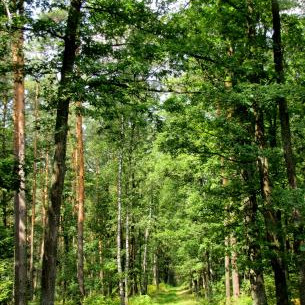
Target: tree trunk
x,y
287,143
101,261
272,218
144,265
133,262
227,273
81,201
227,244
34,194
235,275
61,129
127,258
282,102
119,229
156,270
258,292
20,288
44,204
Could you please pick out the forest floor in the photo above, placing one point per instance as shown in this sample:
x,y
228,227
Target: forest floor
x,y
174,296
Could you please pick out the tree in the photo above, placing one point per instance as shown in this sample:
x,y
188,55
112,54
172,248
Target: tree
x,y
58,175
81,200
20,291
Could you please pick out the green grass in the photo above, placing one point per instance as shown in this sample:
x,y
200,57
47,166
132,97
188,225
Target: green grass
x,y
173,296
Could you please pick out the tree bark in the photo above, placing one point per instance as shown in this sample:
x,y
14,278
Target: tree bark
x,y
272,218
81,201
156,270
235,275
144,265
282,102
227,254
258,292
287,142
256,275
61,128
119,229
20,288
133,262
227,273
34,190
101,261
127,258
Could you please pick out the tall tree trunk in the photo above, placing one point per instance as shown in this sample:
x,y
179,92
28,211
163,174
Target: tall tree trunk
x,y
235,275
287,143
144,265
227,253
44,201
156,270
282,102
258,292
119,229
228,84
101,261
127,258
34,194
81,201
61,128
44,205
20,288
133,262
272,218
256,275
227,273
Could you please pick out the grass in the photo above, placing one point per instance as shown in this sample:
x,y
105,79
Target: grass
x,y
173,296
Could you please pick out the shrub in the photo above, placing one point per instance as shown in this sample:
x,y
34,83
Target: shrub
x,y
98,299
141,300
6,282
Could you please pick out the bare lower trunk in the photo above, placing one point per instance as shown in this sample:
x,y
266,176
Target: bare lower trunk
x,y
227,274
20,287
156,271
81,201
44,201
34,195
272,219
235,275
61,128
101,261
258,292
119,230
144,264
127,259
44,205
133,263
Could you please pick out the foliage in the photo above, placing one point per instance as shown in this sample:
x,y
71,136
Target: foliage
x,y
141,300
6,281
177,88
99,300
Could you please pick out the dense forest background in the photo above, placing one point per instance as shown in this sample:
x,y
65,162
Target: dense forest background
x,y
149,144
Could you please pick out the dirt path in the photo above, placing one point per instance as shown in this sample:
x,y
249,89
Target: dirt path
x,y
174,296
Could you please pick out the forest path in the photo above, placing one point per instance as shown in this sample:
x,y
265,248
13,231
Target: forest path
x,y
174,296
